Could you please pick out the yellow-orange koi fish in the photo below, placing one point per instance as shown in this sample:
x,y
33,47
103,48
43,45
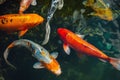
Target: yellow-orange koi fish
x,y
24,4
19,22
101,9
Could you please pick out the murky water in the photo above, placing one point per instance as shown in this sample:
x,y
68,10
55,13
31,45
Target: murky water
x,y
103,34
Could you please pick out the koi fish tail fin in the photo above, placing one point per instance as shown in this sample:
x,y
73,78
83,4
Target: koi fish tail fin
x,y
47,35
115,62
6,52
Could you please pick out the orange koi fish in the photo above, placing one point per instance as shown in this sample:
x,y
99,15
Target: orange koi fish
x,y
101,9
81,46
24,4
45,59
19,22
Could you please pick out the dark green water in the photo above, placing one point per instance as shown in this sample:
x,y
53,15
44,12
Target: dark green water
x,y
103,34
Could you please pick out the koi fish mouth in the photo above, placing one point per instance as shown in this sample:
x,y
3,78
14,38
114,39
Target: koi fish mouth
x,y
58,72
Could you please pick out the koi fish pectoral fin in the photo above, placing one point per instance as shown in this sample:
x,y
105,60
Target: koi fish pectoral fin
x,y
66,48
21,33
54,54
102,60
38,65
81,36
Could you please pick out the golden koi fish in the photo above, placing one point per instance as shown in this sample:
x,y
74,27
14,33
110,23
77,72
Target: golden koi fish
x,y
101,9
19,22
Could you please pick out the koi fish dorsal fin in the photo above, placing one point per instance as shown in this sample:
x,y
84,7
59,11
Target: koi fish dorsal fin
x,y
66,49
21,33
34,3
54,54
38,65
81,36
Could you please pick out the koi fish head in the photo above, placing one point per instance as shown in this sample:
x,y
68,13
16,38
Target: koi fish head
x,y
103,13
53,66
62,32
47,61
109,18
34,20
108,15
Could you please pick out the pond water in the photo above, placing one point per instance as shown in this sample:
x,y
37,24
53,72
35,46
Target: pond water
x,y
91,19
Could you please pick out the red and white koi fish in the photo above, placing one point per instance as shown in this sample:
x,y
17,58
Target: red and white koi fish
x,y
24,4
81,46
19,22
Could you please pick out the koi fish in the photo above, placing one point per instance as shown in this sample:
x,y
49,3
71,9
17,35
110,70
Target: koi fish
x,y
45,60
19,22
55,4
101,9
24,4
81,46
